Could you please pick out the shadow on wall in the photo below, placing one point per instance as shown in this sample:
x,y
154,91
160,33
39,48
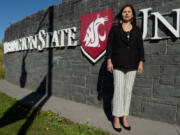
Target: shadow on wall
x,y
105,89
23,76
38,98
23,71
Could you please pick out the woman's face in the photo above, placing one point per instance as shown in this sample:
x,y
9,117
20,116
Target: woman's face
x,y
127,14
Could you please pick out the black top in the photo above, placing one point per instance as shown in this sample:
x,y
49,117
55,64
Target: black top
x,y
125,48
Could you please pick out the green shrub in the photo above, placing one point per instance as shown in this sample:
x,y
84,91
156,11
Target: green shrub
x,y
2,71
1,47
1,57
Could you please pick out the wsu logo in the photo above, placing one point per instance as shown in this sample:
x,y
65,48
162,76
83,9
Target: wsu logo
x,y
94,33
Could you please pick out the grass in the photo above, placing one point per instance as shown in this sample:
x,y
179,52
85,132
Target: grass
x,y
2,70
17,118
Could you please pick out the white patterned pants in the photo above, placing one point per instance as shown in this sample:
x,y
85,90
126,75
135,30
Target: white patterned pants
x,y
123,85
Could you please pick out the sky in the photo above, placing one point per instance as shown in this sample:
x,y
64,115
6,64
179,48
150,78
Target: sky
x,y
12,11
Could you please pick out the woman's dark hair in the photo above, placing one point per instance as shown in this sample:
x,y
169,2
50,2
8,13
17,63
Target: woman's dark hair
x,y
119,17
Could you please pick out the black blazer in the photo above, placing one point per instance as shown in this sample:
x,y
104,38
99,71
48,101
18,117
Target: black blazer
x,y
125,55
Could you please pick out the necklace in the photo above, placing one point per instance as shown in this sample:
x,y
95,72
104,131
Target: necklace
x,y
130,25
128,32
128,35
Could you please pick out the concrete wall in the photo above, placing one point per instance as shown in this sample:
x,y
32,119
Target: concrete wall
x,y
67,73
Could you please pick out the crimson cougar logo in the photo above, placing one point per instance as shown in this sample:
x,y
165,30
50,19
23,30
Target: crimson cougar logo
x,y
94,33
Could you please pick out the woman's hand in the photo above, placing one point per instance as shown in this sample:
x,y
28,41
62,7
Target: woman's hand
x,y
109,65
140,68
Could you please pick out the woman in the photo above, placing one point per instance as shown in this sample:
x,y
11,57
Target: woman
x,y
125,57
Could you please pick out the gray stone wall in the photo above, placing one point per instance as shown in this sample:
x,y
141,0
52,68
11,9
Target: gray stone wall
x,y
67,73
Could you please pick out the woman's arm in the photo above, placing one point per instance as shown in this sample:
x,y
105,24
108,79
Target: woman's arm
x,y
141,48
141,58
109,50
110,44
109,65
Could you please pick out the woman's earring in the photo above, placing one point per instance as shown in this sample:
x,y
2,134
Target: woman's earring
x,y
120,21
132,19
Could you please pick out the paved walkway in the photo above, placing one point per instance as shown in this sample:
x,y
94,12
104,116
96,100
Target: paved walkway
x,y
80,112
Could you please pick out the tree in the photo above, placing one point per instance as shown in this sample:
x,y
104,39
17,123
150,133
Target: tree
x,y
1,45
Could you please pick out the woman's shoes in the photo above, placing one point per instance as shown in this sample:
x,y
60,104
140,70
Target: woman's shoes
x,y
127,128
117,129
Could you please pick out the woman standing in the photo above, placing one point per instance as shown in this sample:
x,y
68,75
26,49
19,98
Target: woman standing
x,y
125,57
